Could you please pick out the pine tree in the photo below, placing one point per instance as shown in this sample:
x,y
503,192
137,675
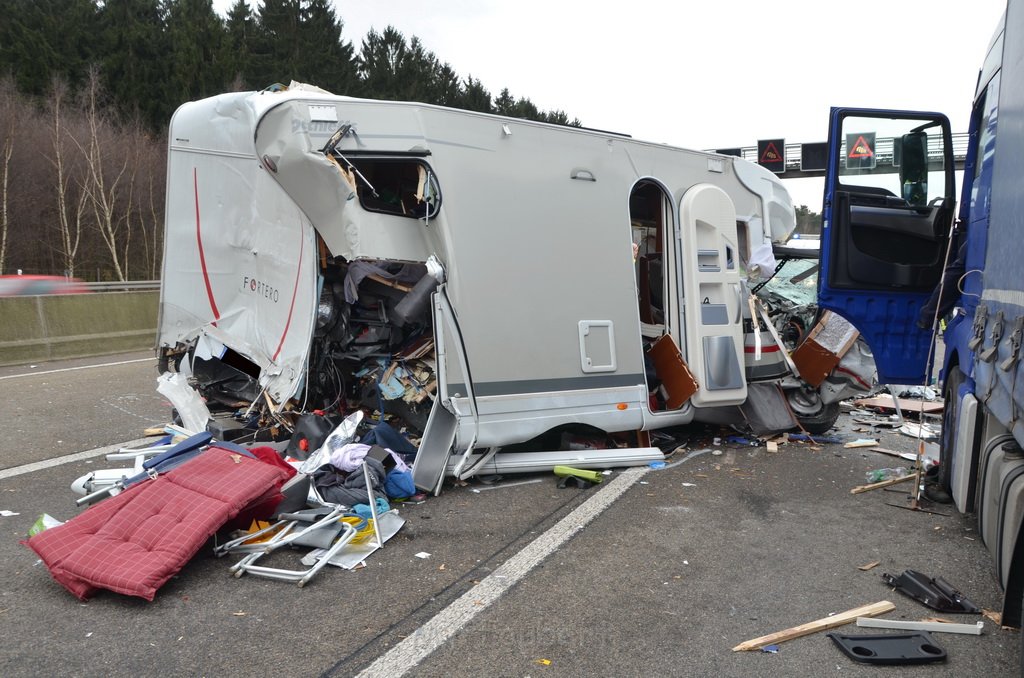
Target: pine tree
x,y
134,58
447,91
197,56
239,41
381,60
505,103
325,59
278,46
475,96
47,38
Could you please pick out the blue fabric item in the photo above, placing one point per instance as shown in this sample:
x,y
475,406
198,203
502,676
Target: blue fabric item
x,y
384,435
399,485
363,510
177,455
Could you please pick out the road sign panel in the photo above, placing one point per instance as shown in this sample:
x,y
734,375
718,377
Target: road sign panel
x,y
771,154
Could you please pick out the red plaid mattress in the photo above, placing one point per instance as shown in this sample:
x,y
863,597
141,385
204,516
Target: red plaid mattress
x,y
134,542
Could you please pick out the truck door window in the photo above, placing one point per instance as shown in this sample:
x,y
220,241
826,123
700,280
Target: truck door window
x,y
900,161
892,199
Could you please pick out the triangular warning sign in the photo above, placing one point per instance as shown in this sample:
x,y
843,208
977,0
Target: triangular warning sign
x,y
861,149
771,154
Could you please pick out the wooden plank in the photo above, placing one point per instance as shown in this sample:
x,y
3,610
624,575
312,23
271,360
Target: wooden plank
x,y
832,622
675,375
389,283
425,392
885,483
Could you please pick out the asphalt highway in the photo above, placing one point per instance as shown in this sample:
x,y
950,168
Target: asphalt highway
x,y
650,573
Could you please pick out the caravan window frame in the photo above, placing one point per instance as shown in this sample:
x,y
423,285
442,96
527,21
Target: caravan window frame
x,y
369,186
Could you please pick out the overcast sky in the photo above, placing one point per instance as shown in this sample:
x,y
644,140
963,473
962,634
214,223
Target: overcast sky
x,y
714,74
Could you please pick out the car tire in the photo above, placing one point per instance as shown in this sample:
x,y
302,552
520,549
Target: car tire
x,y
822,421
950,415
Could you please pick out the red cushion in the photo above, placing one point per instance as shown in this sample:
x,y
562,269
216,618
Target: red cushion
x,y
134,542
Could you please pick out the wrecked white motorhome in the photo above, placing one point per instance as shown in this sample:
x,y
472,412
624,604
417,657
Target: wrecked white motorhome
x,y
485,279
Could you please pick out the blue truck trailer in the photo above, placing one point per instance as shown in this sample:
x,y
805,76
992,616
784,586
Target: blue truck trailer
x,y
899,259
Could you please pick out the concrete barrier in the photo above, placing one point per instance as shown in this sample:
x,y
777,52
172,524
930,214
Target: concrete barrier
x,y
76,325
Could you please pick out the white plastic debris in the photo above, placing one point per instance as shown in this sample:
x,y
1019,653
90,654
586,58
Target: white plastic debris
x,y
923,431
185,399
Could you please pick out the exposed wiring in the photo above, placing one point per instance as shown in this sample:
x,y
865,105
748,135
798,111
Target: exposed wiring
x,y
960,282
930,363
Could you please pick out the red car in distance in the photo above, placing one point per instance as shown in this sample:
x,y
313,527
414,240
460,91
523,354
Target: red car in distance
x,y
28,285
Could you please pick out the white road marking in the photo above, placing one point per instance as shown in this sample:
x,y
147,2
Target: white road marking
x,y
80,367
68,458
405,656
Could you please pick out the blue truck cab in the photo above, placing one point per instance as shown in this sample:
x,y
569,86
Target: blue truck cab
x,y
898,256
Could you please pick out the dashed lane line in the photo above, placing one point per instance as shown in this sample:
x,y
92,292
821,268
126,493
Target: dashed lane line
x,y
68,458
416,647
80,367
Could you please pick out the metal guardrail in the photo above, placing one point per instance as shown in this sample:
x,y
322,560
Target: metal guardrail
x,y
126,286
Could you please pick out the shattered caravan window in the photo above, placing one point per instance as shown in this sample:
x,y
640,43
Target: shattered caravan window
x,y
403,187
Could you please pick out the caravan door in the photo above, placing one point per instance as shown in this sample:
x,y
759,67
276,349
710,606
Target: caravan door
x,y
888,209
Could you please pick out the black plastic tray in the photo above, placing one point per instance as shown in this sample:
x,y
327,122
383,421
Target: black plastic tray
x,y
915,647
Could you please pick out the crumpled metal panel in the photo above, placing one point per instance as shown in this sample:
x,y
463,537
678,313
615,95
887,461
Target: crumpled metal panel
x,y
240,258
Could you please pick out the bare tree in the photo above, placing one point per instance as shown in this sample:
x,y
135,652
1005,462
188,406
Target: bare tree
x,y
130,219
105,174
10,110
69,220
156,169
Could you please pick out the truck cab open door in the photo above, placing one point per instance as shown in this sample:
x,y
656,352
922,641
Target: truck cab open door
x,y
889,203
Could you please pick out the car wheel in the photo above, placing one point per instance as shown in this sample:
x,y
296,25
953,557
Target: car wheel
x,y
950,415
822,421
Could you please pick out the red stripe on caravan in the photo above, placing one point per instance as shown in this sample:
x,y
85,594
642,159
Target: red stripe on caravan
x,y
202,255
295,293
863,384
770,348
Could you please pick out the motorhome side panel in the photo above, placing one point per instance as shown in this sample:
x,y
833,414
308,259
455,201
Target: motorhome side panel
x,y
240,263
535,251
707,262
540,274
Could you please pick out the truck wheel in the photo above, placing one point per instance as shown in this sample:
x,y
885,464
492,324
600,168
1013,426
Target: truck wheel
x,y
950,416
822,421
